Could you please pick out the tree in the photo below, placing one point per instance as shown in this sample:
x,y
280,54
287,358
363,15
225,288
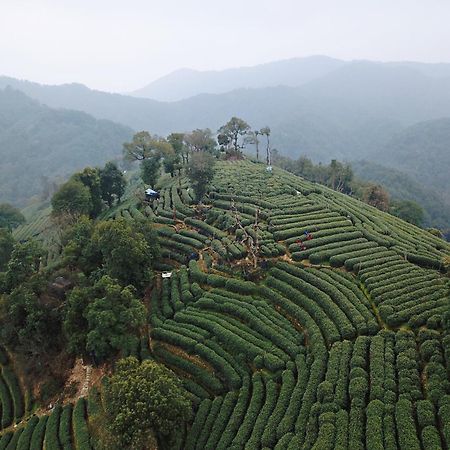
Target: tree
x,y
112,183
28,325
90,177
233,131
150,170
73,197
200,172
408,210
200,140
10,217
253,139
145,401
265,131
143,146
375,195
176,140
79,250
6,247
24,262
128,250
171,159
103,319
340,176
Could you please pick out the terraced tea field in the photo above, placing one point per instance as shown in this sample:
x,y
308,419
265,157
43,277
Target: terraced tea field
x,y
297,317
335,340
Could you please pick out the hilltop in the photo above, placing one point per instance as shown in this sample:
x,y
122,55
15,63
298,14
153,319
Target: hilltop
x,y
296,316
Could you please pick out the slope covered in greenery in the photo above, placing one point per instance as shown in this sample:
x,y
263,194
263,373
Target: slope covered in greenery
x,y
297,317
423,152
406,187
39,144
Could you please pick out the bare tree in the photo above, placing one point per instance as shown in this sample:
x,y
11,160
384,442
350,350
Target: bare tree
x,y
265,131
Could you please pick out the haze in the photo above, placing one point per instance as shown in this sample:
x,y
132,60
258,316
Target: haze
x,y
121,46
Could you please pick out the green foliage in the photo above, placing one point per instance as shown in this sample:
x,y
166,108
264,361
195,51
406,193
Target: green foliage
x,y
73,198
103,319
408,210
40,145
142,147
232,133
90,177
200,172
128,250
10,217
150,168
28,326
145,400
6,247
79,425
112,183
24,262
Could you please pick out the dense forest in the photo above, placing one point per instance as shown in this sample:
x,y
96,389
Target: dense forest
x,y
405,187
422,151
40,146
233,305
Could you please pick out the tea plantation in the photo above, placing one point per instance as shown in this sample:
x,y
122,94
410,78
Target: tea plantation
x,y
296,316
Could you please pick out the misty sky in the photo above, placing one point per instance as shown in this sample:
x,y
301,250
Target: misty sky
x,y
121,45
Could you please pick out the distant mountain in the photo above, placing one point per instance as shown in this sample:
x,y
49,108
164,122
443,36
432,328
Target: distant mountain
x,y
423,152
404,187
39,144
185,83
295,72
349,113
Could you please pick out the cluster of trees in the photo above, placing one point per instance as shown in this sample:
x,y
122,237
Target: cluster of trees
x,y
88,191
107,266
196,151
340,177
145,404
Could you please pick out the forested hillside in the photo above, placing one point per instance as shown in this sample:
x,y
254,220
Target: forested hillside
x,y
407,187
349,113
423,152
294,317
40,145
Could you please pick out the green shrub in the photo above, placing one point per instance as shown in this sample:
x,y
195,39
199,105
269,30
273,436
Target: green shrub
x,y
65,428
25,438
13,384
80,429
37,438
7,404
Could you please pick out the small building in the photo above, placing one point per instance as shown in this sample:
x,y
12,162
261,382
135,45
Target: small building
x,y
151,194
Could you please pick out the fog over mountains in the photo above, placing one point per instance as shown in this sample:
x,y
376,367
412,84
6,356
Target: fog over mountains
x,y
320,107
185,83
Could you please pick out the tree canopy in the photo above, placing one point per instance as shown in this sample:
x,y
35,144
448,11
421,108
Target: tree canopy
x,y
408,210
74,198
232,133
145,401
200,172
103,319
112,183
6,247
10,217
